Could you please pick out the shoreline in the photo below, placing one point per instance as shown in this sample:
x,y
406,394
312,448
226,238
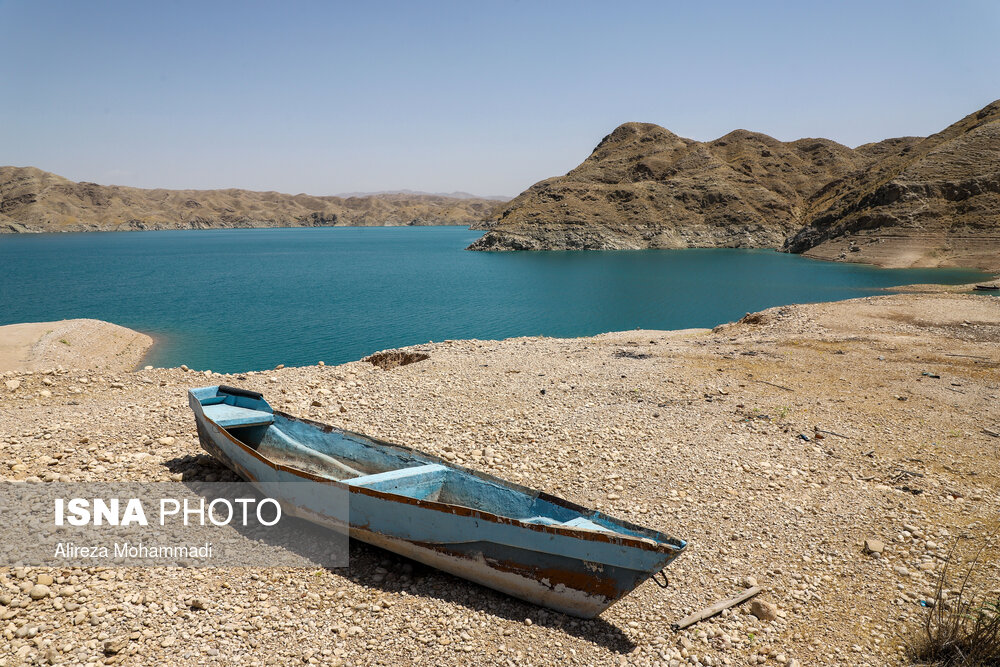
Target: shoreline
x,y
74,343
714,436
117,351
882,263
59,232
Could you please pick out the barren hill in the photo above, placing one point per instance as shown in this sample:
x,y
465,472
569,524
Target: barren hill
x,y
646,187
930,203
906,201
32,200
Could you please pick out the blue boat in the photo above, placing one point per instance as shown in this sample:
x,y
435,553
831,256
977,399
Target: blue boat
x,y
517,540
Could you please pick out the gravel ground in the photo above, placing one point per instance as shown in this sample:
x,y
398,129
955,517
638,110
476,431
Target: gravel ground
x,y
710,436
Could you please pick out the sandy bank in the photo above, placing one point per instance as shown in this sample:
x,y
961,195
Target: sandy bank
x,y
721,437
83,343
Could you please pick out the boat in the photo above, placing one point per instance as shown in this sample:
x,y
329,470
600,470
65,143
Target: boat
x,y
517,540
986,288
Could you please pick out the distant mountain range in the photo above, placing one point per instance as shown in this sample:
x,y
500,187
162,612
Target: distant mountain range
x,y
908,201
32,200
451,195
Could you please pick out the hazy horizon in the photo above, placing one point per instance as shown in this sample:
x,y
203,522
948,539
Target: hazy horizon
x,y
485,99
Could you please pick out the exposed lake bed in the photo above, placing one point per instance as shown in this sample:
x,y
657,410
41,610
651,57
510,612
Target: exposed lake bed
x,y
697,433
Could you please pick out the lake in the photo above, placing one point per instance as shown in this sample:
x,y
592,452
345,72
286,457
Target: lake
x,y
248,299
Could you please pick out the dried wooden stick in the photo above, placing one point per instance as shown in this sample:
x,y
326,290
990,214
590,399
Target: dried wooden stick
x,y
710,611
773,384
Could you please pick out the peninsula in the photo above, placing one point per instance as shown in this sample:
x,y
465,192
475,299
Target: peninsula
x,y
907,201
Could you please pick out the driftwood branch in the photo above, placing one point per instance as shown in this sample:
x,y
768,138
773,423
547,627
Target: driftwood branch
x,y
773,385
710,611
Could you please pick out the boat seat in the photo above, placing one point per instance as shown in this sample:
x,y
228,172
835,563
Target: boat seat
x,y
422,482
230,416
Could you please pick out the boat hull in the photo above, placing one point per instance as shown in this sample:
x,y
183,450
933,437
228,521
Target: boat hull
x,y
580,573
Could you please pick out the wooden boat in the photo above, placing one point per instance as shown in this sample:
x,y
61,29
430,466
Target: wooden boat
x,y
522,542
987,288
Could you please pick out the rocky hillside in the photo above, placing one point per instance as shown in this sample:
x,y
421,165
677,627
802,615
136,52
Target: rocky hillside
x,y
901,202
931,203
32,200
646,187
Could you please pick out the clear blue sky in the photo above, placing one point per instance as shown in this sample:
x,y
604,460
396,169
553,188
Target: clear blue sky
x,y
486,97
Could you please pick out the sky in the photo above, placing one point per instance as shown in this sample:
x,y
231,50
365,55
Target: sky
x,y
476,96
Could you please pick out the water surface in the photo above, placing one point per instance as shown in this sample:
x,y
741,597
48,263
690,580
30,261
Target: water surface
x,y
249,299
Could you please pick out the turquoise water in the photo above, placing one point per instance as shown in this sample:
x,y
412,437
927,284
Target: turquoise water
x,y
247,299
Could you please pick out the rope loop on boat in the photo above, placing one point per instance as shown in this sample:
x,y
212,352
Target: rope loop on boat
x,y
666,582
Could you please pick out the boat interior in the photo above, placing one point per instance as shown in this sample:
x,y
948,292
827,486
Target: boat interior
x,y
358,461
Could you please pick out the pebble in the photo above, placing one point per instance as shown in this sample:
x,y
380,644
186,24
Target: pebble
x,y
12,385
116,645
765,611
38,591
874,547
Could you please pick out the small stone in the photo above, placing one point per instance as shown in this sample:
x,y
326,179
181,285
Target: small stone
x,y
901,571
39,591
147,368
765,611
316,403
279,367
12,385
45,393
749,581
167,641
44,579
185,368
166,441
321,363
199,603
875,547
115,645
117,385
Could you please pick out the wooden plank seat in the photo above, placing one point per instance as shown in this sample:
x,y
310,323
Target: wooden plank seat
x,y
422,482
230,416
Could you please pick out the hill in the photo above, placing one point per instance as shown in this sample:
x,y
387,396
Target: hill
x,y
933,202
32,200
907,201
645,187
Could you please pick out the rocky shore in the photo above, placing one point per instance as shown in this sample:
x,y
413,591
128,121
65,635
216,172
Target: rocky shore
x,y
776,446
81,343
